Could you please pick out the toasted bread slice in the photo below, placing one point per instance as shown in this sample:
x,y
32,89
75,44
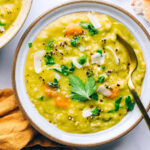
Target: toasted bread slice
x,y
146,9
138,6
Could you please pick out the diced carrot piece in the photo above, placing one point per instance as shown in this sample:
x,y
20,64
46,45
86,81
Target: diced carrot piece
x,y
61,101
115,93
48,91
73,29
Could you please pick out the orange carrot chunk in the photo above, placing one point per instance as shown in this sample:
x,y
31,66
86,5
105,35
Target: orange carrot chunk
x,y
61,101
115,93
73,29
48,91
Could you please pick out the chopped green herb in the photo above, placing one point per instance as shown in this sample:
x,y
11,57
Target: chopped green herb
x,y
49,46
30,45
129,103
82,60
101,79
80,91
89,27
72,67
96,111
41,98
75,41
99,51
84,25
103,67
117,103
94,96
53,84
2,24
64,70
49,60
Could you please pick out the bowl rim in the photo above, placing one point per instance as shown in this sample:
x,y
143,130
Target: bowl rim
x,y
15,60
16,25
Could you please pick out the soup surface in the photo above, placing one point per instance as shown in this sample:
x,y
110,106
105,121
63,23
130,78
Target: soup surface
x,y
9,10
76,72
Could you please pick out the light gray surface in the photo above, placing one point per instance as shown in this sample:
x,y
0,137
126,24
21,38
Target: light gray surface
x,y
138,138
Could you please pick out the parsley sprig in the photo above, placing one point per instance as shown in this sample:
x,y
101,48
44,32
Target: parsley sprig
x,y
82,60
101,79
80,91
129,103
75,41
96,111
64,70
49,46
53,84
117,103
89,27
49,60
2,24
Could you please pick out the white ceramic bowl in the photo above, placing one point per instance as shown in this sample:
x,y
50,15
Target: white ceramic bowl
x,y
17,24
41,124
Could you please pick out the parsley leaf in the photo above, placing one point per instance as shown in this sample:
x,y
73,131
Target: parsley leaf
x,y
94,96
101,79
96,111
103,67
99,51
2,24
75,41
89,27
30,45
82,60
41,98
64,70
80,91
129,103
49,60
117,103
53,84
49,46
84,25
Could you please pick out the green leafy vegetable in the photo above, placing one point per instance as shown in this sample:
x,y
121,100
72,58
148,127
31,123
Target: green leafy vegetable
x,y
101,79
53,84
94,96
49,46
84,25
96,111
75,41
30,45
129,103
41,98
64,70
89,27
103,67
72,67
99,51
2,24
49,60
117,103
80,91
82,60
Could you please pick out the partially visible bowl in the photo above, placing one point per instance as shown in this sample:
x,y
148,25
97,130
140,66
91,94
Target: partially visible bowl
x,y
17,24
41,124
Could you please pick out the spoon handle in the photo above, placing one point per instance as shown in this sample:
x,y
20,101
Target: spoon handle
x,y
141,107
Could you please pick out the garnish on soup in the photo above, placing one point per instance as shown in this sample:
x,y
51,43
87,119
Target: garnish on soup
x,y
76,72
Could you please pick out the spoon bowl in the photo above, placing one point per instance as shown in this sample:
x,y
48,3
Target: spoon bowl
x,y
132,67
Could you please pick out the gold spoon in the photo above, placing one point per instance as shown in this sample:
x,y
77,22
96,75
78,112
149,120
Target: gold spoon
x,y
132,68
